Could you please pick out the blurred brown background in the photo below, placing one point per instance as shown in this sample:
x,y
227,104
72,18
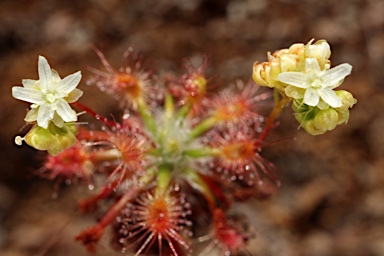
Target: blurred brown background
x,y
332,199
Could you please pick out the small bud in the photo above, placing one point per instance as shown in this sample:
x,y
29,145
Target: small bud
x,y
53,139
259,73
325,120
320,51
288,62
343,116
347,99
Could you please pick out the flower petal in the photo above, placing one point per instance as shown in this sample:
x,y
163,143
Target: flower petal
x,y
55,76
27,94
45,115
65,111
312,66
322,104
311,97
31,115
330,97
73,96
45,74
69,83
57,120
28,83
294,92
336,74
297,79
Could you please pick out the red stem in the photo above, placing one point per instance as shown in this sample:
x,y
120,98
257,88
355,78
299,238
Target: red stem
x,y
116,208
274,114
104,120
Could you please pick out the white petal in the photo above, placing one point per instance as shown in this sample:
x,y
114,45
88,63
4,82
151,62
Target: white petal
x,y
333,76
322,104
45,115
28,83
297,79
55,75
294,92
312,66
73,96
69,83
28,95
45,74
57,120
31,115
330,97
65,111
311,97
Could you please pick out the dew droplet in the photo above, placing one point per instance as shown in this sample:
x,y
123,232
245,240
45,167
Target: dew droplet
x,y
91,187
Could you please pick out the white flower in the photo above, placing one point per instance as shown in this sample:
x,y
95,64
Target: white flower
x,y
49,96
315,84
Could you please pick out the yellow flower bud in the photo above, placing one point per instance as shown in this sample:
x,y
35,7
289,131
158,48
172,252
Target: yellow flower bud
x,y
297,49
259,73
288,62
320,51
343,116
265,74
53,139
325,120
347,99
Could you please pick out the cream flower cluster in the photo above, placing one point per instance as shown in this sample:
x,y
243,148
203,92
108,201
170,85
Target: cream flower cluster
x,y
49,96
303,73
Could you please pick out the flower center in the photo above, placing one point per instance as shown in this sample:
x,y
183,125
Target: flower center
x,y
158,216
50,97
316,83
239,151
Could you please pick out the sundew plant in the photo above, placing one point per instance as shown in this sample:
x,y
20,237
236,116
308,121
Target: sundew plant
x,y
182,152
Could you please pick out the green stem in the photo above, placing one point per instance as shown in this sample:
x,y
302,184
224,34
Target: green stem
x,y
154,152
164,178
198,183
202,127
169,107
201,152
146,115
183,111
